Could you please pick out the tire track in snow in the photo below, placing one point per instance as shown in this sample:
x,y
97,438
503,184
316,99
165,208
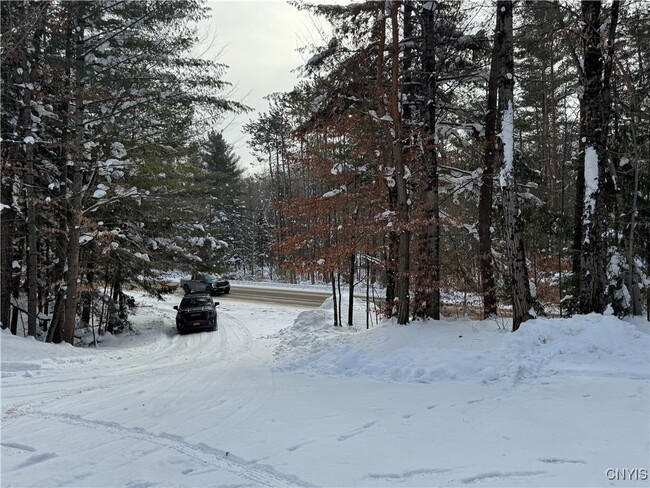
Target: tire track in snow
x,y
237,337
167,352
498,475
257,474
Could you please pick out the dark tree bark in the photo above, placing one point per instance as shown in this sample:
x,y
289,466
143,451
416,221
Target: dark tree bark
x,y
485,199
9,157
431,264
390,260
334,299
404,251
353,262
76,158
514,224
6,221
27,136
397,146
15,312
579,204
594,246
55,331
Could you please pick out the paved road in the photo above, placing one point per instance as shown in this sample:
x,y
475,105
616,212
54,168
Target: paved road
x,y
282,296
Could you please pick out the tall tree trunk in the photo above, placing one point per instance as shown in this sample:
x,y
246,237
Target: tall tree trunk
x,y
404,256
7,219
28,147
520,286
76,163
397,147
579,201
594,245
632,279
485,199
55,331
432,207
579,205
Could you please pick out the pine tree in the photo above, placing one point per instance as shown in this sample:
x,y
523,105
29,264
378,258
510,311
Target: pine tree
x,y
219,157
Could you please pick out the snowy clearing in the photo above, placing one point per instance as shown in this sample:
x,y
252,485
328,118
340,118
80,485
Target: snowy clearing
x,y
278,397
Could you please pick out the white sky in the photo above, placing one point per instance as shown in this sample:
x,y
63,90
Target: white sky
x,y
258,40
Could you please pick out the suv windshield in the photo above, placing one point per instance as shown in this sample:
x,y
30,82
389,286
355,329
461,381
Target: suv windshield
x,y
209,277
196,302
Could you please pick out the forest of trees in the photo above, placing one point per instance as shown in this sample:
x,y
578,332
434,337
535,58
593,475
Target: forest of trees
x,y
496,149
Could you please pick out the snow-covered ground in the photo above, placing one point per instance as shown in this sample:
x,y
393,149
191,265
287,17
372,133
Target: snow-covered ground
x,y
279,397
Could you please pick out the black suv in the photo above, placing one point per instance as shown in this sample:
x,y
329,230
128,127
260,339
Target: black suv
x,y
197,312
209,283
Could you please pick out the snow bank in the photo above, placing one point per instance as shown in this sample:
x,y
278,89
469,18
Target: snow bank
x,y
590,345
313,331
28,357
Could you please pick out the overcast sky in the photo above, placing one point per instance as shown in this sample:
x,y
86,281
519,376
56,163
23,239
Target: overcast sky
x,y
258,40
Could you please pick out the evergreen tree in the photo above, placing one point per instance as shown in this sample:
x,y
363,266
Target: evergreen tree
x,y
221,186
98,133
219,157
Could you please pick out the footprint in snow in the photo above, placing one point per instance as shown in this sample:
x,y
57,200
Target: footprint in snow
x,y
16,445
35,459
561,461
295,447
356,432
495,475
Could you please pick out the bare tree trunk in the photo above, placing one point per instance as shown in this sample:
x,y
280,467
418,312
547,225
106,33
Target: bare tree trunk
x,y
403,256
632,281
367,293
579,160
632,278
594,245
520,286
6,249
579,205
485,199
15,311
76,156
397,146
432,207
340,294
353,262
56,325
28,146
55,330
334,299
